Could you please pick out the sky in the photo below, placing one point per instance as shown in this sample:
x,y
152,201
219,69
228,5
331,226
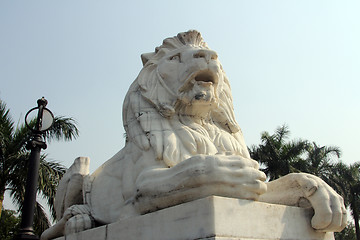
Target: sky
x,y
288,62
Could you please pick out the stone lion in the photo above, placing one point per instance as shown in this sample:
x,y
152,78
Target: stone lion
x,y
182,144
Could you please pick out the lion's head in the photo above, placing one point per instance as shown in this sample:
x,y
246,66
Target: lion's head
x,y
181,103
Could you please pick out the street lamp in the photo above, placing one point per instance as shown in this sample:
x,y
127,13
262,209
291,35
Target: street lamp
x,y
44,121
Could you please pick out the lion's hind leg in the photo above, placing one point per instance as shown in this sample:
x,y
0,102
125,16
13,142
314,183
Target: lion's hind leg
x,y
76,218
80,219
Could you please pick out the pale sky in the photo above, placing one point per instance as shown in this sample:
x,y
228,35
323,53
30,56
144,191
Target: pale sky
x,y
293,62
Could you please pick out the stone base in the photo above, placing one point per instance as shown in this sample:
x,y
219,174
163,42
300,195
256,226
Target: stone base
x,y
212,218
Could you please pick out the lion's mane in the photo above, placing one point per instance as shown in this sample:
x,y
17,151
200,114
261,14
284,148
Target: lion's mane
x,y
151,120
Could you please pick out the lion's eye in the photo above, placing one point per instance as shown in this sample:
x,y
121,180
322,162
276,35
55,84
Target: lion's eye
x,y
175,57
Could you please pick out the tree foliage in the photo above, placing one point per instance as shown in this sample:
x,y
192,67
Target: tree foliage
x,y
346,180
320,160
347,234
9,224
278,156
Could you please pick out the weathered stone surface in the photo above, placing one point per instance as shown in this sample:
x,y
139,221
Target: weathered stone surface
x,y
212,218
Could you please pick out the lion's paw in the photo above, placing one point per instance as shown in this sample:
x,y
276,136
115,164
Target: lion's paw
x,y
330,212
79,223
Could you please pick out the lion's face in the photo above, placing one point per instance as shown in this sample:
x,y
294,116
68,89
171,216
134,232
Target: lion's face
x,y
193,74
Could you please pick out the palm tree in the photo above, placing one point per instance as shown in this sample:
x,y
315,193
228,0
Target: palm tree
x,y
346,180
277,156
319,160
13,163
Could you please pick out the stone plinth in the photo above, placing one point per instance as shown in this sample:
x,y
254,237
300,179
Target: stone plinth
x,y
212,218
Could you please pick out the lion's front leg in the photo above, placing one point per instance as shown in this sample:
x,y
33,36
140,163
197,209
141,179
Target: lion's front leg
x,y
297,189
197,177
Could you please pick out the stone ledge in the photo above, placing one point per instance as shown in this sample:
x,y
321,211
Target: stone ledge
x,y
212,218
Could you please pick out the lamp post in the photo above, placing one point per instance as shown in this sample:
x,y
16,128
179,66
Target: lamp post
x,y
44,120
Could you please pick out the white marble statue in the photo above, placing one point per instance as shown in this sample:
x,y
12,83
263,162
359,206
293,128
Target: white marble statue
x,y
183,143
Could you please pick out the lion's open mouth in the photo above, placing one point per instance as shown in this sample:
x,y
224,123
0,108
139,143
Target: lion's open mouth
x,y
205,76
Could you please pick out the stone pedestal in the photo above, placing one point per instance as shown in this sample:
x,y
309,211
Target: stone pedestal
x,y
212,218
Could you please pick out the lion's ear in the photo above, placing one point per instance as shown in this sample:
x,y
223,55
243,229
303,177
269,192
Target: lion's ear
x,y
146,56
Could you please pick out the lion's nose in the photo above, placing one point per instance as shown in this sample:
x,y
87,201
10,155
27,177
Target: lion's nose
x,y
206,54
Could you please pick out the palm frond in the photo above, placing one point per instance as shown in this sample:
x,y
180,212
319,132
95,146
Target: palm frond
x,y
17,179
63,129
282,133
50,173
6,122
22,135
6,134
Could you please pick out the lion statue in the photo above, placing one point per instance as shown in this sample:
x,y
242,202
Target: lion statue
x,y
182,144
